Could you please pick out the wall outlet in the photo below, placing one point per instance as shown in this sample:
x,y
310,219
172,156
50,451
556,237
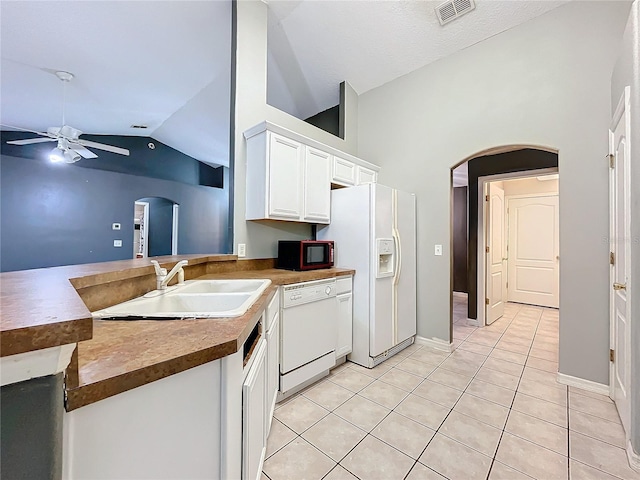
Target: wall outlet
x,y
115,226
117,243
438,250
242,250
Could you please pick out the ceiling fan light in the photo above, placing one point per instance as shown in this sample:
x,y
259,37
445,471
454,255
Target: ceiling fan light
x,y
56,155
71,157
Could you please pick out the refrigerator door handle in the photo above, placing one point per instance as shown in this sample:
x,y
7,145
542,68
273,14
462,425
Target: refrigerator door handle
x,y
398,266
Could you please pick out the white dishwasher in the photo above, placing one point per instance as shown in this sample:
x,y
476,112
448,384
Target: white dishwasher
x,y
308,335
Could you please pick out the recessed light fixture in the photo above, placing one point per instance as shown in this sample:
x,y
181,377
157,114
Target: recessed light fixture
x,y
151,145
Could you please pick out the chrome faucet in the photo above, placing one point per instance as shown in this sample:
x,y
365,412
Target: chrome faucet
x,y
162,278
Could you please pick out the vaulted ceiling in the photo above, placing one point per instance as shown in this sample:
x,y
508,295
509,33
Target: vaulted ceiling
x,y
315,45
166,64
162,64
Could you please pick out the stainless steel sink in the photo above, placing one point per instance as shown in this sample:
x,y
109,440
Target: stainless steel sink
x,y
194,299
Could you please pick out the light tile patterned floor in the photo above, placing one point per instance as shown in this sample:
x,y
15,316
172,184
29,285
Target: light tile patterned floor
x,y
492,409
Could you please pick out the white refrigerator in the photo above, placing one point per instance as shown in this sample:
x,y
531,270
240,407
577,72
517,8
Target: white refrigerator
x,y
374,229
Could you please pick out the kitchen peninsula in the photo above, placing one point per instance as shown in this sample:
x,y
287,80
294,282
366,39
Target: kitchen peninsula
x,y
117,364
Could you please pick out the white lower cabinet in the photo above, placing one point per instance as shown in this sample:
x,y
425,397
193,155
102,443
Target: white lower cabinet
x,y
210,421
254,410
273,359
163,430
344,298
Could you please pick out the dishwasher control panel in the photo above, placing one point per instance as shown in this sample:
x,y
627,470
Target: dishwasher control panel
x,y
306,292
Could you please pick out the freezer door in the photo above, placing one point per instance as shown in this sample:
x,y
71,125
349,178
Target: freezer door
x,y
405,282
382,329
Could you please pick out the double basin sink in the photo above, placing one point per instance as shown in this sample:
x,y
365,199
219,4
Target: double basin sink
x,y
192,299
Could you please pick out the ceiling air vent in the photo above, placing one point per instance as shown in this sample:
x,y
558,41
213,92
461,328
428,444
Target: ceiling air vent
x,y
451,10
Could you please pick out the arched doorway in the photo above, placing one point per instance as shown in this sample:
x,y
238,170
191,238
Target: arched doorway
x,y
505,161
155,227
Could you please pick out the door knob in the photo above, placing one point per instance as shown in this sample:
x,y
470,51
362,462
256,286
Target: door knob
x,y
619,286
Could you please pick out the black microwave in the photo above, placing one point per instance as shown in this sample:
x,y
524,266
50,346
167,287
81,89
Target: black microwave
x,y
304,254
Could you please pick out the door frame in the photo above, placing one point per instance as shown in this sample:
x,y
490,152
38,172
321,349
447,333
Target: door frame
x,y
145,227
174,229
622,108
482,231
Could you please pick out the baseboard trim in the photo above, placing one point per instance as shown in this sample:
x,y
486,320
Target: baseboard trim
x,y
435,343
584,384
634,458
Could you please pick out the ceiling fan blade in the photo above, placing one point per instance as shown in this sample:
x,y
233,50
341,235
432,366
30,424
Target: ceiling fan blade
x,y
102,146
83,152
44,134
29,141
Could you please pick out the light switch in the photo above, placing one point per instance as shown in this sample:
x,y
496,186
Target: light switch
x,y
242,250
117,243
115,226
438,250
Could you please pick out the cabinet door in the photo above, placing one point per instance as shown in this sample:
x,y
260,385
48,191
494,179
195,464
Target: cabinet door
x,y
317,186
273,370
366,175
343,172
345,320
253,416
285,178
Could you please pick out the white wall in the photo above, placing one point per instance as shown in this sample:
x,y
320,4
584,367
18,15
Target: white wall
x,y
627,72
251,109
545,82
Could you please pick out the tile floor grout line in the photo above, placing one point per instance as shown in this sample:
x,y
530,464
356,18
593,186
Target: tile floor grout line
x,y
493,460
530,441
454,405
423,377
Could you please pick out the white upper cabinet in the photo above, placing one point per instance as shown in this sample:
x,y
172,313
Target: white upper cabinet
x,y
274,178
289,176
343,172
317,186
366,175
284,177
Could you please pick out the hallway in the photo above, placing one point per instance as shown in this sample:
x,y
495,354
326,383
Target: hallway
x,y
491,409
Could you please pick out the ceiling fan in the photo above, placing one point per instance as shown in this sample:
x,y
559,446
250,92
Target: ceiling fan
x,y
70,147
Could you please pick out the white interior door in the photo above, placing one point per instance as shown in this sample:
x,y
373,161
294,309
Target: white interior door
x,y
496,275
620,219
533,251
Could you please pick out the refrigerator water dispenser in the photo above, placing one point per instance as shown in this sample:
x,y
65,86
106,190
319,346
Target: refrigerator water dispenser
x,y
385,254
